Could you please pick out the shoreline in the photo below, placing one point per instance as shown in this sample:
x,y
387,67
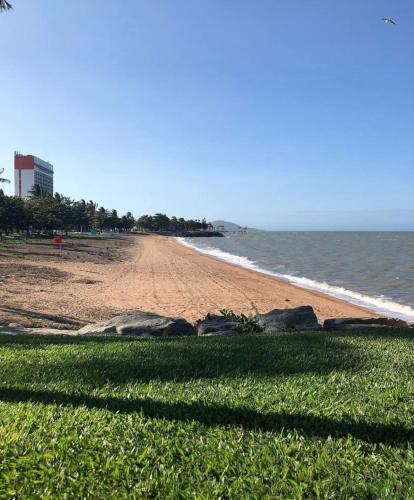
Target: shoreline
x,y
97,279
366,311
378,306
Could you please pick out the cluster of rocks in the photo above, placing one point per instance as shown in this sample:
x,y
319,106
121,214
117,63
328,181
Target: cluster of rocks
x,y
358,323
302,318
145,324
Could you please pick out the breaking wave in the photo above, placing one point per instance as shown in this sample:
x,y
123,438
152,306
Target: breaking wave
x,y
378,304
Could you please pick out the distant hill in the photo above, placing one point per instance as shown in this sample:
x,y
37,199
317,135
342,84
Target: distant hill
x,y
226,226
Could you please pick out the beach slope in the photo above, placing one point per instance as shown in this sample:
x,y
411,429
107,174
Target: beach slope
x,y
175,280
149,273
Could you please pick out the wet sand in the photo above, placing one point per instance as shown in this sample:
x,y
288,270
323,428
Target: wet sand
x,y
155,274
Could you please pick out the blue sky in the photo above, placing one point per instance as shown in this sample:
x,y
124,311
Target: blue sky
x,y
284,115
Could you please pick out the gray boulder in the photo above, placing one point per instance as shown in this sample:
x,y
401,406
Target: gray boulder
x,y
142,324
17,329
298,318
223,333
357,323
216,325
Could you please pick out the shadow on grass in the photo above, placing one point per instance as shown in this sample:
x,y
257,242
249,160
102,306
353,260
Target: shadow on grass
x,y
212,415
98,361
379,333
64,320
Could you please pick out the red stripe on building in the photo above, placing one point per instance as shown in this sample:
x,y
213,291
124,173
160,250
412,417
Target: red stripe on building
x,y
24,162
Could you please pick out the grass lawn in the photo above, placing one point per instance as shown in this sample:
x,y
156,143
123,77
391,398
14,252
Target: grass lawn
x,y
288,415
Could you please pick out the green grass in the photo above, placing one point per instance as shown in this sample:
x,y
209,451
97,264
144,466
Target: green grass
x,y
288,415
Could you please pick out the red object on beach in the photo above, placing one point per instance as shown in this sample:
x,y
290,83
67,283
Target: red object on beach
x,y
57,240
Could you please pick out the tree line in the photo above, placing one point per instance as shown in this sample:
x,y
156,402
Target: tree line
x,y
42,212
5,5
162,223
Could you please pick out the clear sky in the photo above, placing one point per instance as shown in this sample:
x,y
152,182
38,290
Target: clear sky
x,y
295,114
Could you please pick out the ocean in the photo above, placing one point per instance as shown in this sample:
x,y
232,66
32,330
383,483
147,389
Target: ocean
x,y
370,269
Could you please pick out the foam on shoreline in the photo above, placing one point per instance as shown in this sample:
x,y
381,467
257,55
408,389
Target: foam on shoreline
x,y
380,305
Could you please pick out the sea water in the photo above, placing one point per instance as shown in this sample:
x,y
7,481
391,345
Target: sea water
x,y
371,269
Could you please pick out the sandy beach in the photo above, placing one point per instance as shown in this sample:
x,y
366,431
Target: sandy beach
x,y
96,280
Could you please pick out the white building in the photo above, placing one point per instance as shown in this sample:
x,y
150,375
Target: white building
x,y
30,171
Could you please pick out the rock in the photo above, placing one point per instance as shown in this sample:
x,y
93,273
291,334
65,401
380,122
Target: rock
x,y
141,324
16,329
225,333
356,326
298,318
215,324
355,323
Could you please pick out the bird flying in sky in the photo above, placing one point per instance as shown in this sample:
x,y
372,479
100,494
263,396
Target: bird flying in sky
x,y
388,20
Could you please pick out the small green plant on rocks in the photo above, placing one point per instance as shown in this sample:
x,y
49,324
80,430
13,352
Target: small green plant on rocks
x,y
246,324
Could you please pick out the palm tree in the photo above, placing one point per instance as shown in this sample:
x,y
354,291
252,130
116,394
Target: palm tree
x,y
2,180
5,5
